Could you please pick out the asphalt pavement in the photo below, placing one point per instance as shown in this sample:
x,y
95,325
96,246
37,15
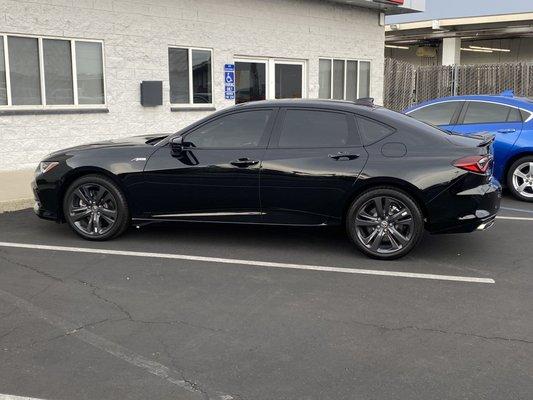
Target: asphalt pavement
x,y
201,311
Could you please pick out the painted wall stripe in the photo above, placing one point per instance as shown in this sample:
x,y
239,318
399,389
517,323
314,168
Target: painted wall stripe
x,y
249,262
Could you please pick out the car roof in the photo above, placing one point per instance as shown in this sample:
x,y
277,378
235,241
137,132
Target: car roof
x,y
506,98
343,105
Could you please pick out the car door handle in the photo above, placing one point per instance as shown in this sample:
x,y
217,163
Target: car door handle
x,y
506,130
343,156
244,162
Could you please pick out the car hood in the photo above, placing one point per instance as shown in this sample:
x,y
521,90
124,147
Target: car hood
x,y
132,141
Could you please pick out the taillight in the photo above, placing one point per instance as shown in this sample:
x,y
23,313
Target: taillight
x,y
476,164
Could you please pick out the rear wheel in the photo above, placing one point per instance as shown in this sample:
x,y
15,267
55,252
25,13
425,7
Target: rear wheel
x,y
385,223
520,179
95,208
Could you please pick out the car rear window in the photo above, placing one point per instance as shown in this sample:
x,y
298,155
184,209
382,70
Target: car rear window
x,y
482,112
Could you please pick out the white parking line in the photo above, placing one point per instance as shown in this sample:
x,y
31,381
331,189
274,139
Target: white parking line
x,y
10,397
517,210
514,218
249,262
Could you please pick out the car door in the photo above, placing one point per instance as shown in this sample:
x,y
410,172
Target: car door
x,y
503,120
442,114
216,175
312,162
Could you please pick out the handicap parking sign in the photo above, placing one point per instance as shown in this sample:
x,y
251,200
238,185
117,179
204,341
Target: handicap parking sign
x,y
229,77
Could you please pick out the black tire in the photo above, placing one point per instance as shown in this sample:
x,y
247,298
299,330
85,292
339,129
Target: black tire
x,y
398,225
94,201
514,181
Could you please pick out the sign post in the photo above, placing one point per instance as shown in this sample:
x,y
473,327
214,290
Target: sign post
x,y
229,81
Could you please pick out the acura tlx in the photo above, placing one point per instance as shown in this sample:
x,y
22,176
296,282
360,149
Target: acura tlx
x,y
385,176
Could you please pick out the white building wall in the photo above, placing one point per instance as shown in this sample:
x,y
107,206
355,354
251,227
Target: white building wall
x,y
136,37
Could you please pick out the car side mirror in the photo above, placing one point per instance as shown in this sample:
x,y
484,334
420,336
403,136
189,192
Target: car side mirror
x,y
176,146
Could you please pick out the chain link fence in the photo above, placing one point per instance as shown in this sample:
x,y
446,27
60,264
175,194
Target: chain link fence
x,y
406,84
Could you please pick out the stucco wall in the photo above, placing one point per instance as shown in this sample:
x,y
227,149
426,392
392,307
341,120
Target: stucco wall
x,y
136,37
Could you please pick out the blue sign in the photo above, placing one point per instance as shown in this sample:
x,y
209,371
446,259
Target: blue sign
x,y
229,77
229,81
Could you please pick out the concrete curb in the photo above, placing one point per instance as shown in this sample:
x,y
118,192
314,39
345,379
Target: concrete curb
x,y
15,205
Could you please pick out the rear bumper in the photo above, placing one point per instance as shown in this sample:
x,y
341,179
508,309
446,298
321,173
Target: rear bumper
x,y
466,211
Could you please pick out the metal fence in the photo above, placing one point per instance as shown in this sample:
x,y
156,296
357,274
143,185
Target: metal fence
x,y
406,84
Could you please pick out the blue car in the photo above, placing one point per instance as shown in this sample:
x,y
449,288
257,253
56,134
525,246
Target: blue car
x,y
510,118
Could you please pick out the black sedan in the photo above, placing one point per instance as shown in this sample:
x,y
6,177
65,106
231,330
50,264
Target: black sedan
x,y
383,175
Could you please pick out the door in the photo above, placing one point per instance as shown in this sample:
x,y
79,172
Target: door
x,y
216,176
313,160
443,114
269,78
502,120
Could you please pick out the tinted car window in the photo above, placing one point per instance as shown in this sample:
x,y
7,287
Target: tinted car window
x,y
314,128
514,115
373,131
436,114
480,113
525,115
239,130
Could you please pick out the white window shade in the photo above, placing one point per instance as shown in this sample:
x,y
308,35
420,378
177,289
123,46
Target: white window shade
x,y
58,72
24,70
90,74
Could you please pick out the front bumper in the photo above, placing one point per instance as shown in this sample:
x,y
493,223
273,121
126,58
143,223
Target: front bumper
x,y
466,211
39,195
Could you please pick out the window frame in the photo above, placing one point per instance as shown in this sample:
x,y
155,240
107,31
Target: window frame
x,y
191,103
43,105
270,72
353,130
345,60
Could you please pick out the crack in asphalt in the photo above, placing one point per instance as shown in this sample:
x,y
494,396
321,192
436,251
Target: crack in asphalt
x,y
34,269
129,316
433,330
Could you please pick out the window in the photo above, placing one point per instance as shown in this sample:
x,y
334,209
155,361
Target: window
x,y
90,73
38,72
190,75
314,128
288,81
250,81
480,112
3,87
239,130
436,114
58,72
343,79
372,131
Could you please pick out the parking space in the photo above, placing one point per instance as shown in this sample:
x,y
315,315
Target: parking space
x,y
210,311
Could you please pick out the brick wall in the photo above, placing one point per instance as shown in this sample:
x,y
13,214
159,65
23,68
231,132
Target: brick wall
x,y
136,37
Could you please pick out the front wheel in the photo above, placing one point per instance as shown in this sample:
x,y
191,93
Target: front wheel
x,y
520,179
95,208
385,223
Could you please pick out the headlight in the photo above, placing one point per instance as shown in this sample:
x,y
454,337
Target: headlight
x,y
45,166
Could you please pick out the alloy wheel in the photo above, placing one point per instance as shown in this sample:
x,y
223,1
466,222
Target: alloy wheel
x,y
93,209
384,225
523,179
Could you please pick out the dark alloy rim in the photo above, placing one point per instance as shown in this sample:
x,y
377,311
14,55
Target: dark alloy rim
x,y
93,209
384,225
